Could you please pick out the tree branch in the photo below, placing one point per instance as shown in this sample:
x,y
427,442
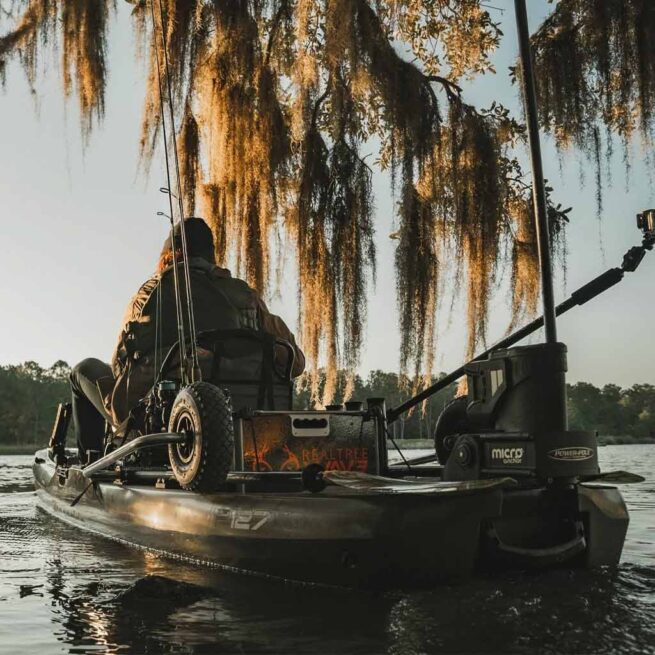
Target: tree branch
x,y
453,91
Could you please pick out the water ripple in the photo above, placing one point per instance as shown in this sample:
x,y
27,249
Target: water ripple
x,y
62,590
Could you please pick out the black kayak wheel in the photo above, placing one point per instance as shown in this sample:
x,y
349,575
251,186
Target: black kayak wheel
x,y
451,423
203,413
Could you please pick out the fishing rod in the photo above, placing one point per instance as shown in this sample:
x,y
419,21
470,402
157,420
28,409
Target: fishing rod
x,y
167,190
185,253
185,369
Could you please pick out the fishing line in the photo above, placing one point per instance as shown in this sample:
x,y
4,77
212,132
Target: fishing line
x,y
158,330
185,254
178,302
395,445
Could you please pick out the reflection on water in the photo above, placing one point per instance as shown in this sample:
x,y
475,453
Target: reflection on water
x,y
62,591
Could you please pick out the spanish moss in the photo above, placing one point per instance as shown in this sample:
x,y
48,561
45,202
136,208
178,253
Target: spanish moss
x,y
276,101
595,76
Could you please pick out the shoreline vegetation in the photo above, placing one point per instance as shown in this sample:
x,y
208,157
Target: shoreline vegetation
x,y
29,395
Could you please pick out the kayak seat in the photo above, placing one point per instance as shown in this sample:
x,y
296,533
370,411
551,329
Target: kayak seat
x,y
253,366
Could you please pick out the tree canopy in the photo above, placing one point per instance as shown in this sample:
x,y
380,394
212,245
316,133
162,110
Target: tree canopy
x,y
277,99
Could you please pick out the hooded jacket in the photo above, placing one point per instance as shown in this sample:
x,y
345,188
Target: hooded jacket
x,y
220,302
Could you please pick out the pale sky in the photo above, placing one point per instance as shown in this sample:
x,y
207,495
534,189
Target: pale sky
x,y
79,232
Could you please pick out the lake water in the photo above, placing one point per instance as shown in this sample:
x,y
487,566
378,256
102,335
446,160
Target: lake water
x,y
60,593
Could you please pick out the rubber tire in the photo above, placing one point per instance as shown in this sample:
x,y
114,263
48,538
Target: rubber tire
x,y
452,420
212,454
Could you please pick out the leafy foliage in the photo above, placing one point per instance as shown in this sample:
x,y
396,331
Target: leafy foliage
x,y
611,410
29,395
277,98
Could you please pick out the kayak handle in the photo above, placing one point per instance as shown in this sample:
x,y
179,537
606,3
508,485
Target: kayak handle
x,y
543,556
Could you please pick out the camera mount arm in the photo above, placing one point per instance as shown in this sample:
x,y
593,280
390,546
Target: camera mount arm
x,y
587,292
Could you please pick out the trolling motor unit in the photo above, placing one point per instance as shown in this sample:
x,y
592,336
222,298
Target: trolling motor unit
x,y
516,419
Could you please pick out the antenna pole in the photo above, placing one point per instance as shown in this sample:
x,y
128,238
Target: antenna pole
x,y
538,187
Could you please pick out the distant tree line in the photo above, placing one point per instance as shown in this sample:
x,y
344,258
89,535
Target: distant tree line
x,y
613,411
29,395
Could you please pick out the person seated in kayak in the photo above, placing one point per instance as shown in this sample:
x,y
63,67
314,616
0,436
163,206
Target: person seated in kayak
x,y
101,392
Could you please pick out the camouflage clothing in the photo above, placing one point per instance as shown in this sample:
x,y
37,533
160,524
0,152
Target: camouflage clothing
x,y
220,302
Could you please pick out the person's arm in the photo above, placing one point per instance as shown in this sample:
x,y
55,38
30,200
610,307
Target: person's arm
x,y
133,313
275,325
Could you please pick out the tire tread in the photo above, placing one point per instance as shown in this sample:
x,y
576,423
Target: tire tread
x,y
218,437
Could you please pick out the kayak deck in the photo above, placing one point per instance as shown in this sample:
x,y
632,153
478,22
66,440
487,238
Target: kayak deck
x,y
340,536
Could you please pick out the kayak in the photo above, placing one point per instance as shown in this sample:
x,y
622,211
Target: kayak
x,y
226,473
362,531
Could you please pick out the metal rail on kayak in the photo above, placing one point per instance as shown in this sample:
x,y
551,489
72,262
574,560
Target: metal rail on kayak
x,y
145,441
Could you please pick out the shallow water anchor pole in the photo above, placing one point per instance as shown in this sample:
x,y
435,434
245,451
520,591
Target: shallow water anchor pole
x,y
538,187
